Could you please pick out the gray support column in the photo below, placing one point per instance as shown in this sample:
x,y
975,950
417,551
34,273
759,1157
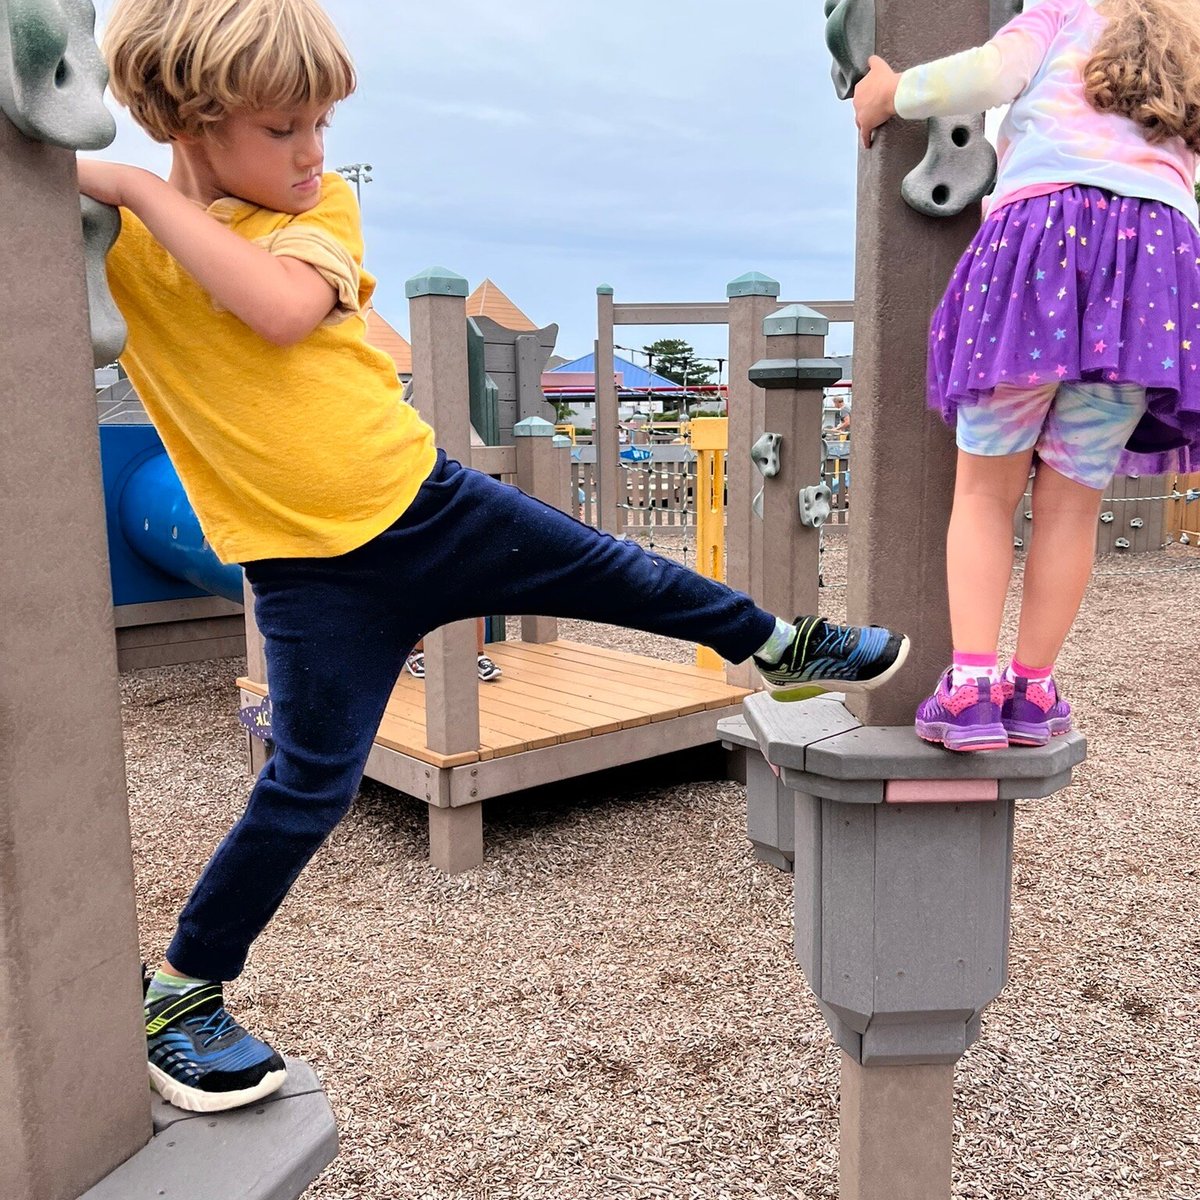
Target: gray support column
x,y
902,455
897,1131
438,319
609,516
69,963
793,379
539,473
752,298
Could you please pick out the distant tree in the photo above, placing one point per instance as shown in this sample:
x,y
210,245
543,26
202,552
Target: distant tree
x,y
563,411
674,359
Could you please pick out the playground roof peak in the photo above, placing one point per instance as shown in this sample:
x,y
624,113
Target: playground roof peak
x,y
488,300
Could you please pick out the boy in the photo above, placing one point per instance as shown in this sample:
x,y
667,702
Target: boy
x,y
241,281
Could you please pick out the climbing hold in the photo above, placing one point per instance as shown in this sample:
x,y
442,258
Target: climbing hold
x,y
1018,542
1028,515
1122,543
1136,523
958,169
1106,518
816,504
52,76
101,225
850,36
765,455
757,504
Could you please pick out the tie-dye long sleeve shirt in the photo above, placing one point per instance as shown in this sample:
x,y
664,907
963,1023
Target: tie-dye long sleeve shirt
x,y
1051,137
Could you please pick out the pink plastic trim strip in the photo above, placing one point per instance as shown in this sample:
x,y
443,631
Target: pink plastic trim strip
x,y
940,791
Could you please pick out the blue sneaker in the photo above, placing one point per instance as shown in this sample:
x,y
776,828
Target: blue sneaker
x,y
827,657
201,1059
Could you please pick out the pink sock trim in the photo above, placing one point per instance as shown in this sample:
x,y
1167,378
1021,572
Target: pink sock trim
x,y
974,660
1038,674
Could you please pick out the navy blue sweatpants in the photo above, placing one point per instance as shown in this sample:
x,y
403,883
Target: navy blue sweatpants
x,y
337,631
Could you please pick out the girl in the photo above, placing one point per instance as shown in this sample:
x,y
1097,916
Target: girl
x,y
1070,329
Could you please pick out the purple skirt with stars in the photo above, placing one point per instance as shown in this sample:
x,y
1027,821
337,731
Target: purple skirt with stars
x,y
1080,285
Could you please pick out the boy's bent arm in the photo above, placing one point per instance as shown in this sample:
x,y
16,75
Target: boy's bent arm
x,y
282,299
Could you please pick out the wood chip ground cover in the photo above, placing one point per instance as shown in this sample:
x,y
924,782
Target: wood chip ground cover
x,y
609,1006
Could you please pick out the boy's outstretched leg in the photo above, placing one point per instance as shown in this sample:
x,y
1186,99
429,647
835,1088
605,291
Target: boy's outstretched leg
x,y
476,545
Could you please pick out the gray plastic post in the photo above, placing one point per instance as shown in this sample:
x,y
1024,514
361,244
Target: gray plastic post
x,y
540,467
609,514
438,319
66,874
752,298
903,453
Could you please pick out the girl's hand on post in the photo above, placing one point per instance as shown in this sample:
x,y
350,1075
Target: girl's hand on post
x,y
875,98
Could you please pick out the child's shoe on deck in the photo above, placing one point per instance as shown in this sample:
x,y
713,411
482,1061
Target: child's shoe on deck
x,y
966,717
842,658
1033,711
201,1059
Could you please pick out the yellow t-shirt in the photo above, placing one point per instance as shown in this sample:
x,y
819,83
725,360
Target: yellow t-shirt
x,y
284,451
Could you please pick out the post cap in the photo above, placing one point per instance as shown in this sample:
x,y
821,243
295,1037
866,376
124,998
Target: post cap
x,y
604,290
436,281
533,427
753,283
795,319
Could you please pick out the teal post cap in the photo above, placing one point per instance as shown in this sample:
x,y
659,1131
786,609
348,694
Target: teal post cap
x,y
753,283
604,290
560,440
795,319
436,281
533,427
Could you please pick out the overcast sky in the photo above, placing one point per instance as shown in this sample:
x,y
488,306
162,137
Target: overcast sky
x,y
660,146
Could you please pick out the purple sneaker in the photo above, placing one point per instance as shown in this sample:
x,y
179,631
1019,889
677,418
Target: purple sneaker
x,y
966,717
1033,713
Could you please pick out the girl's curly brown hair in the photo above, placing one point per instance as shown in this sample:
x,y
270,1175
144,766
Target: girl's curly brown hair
x,y
1146,67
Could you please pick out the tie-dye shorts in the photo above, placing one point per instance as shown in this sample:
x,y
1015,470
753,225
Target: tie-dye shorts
x,y
1079,429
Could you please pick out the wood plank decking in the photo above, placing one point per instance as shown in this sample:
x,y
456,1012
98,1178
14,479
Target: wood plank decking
x,y
554,693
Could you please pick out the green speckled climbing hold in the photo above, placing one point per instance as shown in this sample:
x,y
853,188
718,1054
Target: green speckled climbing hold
x,y
51,74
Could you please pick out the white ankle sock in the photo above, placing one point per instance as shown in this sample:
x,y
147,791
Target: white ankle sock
x,y
772,650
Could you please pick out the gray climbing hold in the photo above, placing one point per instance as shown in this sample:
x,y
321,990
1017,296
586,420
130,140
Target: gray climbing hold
x,y
958,169
1136,523
51,74
1122,543
1018,542
1106,518
816,504
101,225
765,455
850,36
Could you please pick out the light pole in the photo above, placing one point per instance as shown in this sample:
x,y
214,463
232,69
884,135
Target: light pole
x,y
357,174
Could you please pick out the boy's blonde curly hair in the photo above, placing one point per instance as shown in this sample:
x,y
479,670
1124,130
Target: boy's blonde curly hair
x,y
1146,66
180,66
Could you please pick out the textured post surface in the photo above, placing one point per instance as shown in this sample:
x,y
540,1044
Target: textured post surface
x,y
604,435
897,1131
751,299
540,467
903,456
789,581
68,942
438,318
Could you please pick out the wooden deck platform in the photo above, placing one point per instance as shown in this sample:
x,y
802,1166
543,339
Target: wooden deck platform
x,y
562,709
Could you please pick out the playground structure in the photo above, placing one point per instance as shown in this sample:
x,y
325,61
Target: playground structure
x,y
562,709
